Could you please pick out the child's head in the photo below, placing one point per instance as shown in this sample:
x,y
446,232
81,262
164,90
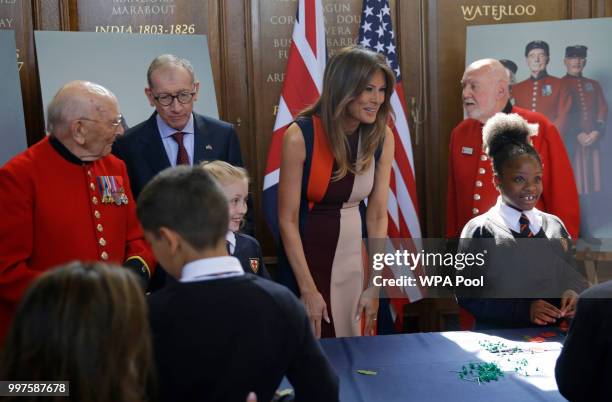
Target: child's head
x,y
86,322
235,185
182,208
517,167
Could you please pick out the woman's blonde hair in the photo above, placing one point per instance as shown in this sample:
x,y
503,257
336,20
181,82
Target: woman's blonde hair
x,y
347,75
223,171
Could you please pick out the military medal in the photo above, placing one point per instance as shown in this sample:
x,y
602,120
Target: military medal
x,y
547,90
116,196
111,188
123,197
105,189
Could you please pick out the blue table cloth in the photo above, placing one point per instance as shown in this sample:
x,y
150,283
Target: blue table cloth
x,y
423,367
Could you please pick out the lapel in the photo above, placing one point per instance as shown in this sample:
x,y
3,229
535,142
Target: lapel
x,y
200,141
153,149
545,227
239,245
499,225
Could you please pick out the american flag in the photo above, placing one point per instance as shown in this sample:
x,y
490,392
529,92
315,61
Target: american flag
x,y
301,88
376,33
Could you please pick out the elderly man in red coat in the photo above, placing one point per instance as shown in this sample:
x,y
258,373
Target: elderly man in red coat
x,y
587,120
542,92
66,198
470,178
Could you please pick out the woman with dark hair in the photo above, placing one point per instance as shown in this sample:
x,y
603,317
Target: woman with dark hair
x,y
86,324
526,282
337,153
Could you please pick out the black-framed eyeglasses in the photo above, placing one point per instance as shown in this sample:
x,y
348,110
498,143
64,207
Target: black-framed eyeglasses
x,y
115,123
167,99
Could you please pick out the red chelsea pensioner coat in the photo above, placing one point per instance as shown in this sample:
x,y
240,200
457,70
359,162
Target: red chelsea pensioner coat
x,y
471,191
546,95
52,213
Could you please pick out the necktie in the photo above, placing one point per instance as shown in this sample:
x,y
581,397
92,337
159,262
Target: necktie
x,y
525,231
182,158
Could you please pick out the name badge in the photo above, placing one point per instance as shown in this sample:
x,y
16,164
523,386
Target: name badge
x,y
467,150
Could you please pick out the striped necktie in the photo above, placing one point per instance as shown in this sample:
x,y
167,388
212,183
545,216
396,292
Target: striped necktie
x,y
525,231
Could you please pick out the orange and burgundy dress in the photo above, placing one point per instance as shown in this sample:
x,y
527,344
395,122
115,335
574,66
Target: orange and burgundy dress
x,y
332,230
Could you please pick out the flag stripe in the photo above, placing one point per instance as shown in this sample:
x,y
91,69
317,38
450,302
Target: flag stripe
x,y
311,27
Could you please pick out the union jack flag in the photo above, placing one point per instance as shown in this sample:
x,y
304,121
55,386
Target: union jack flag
x,y
301,88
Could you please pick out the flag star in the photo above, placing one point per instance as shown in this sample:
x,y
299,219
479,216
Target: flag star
x,y
392,34
379,47
391,48
380,31
365,42
368,11
380,16
397,72
367,27
385,9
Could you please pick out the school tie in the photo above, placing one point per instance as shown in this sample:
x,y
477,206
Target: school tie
x,y
525,231
182,158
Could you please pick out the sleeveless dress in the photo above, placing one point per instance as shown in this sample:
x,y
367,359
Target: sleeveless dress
x,y
332,229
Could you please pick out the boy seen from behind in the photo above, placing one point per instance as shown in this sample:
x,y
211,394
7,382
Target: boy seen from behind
x,y
218,333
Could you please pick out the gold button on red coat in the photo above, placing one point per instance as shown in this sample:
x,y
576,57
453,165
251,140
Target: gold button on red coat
x,y
97,214
481,171
94,200
477,197
478,183
104,255
475,211
99,227
102,241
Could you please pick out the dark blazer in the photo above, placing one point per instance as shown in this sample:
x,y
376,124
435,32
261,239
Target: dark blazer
x,y
248,252
584,367
143,152
516,271
217,340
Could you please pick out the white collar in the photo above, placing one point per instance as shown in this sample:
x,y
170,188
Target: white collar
x,y
211,268
231,238
511,216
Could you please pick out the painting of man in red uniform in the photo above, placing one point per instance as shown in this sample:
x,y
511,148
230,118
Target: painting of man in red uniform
x,y
542,92
586,123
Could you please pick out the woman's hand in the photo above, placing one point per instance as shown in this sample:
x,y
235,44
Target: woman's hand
x,y
368,305
542,312
316,309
